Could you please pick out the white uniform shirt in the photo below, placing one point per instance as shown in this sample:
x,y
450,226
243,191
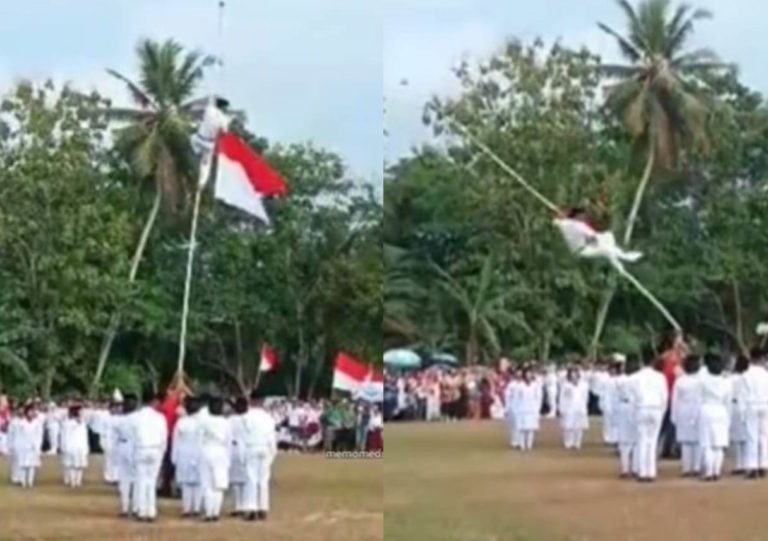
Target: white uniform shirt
x,y
650,389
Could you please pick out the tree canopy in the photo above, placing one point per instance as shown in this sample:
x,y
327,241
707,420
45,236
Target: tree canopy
x,y
73,208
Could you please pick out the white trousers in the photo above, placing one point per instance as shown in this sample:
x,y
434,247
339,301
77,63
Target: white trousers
x,y
256,489
17,474
713,461
28,477
690,457
648,428
148,463
238,492
73,477
53,440
526,439
738,452
572,438
189,498
626,453
756,448
111,470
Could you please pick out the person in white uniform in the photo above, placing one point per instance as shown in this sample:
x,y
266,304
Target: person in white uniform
x,y
107,440
511,404
200,417
528,411
122,445
54,417
573,399
686,407
149,438
649,388
215,458
260,446
738,434
626,425
755,411
716,396
29,443
185,455
608,405
237,460
74,447
17,416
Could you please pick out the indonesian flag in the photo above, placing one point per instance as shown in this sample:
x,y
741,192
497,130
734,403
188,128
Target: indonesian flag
x,y
244,179
269,360
355,377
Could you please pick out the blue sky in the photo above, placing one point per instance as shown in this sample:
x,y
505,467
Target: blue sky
x,y
302,69
424,38
319,69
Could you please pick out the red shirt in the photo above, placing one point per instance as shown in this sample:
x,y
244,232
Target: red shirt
x,y
670,360
169,409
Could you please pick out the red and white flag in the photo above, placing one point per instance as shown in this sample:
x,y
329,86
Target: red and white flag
x,y
243,178
354,377
269,360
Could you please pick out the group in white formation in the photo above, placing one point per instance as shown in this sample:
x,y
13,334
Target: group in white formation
x,y
211,453
712,411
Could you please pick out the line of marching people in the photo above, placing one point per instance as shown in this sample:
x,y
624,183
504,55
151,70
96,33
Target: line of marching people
x,y
710,410
212,453
566,394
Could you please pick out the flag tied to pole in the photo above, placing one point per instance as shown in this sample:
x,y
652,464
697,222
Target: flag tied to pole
x,y
244,179
359,379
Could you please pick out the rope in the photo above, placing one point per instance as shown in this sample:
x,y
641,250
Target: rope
x,y
549,204
660,307
514,174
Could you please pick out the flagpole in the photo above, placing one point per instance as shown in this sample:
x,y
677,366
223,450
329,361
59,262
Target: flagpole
x,y
205,173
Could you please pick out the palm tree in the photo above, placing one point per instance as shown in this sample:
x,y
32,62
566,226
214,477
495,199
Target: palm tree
x,y
658,95
156,138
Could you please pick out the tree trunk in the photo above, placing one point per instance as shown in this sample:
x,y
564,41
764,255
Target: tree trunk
x,y
300,359
114,322
629,228
739,317
48,384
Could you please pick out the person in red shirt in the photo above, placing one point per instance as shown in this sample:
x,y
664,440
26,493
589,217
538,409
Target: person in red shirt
x,y
168,404
670,364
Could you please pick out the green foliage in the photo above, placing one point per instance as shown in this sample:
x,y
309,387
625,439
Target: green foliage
x,y
70,214
538,107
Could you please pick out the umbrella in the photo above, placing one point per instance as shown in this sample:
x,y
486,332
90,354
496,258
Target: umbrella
x,y
443,358
402,358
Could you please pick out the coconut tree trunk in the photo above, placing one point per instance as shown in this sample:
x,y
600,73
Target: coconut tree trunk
x,y
114,322
610,292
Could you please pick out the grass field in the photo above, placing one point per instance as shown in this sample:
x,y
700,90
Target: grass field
x,y
460,482
312,499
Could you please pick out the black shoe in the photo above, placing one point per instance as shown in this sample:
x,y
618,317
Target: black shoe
x,y
261,515
236,514
250,517
753,475
761,472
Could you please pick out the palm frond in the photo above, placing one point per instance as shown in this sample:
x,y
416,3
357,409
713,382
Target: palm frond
x,y
632,53
636,37
137,94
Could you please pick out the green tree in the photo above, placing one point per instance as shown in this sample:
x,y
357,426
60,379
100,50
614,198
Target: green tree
x,y
156,139
659,95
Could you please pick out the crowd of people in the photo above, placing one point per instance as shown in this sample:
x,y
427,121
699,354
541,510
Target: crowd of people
x,y
671,404
201,446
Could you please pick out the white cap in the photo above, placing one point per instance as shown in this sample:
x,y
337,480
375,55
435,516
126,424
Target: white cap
x,y
619,358
117,396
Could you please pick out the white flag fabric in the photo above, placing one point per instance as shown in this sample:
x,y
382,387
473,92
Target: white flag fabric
x,y
244,179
